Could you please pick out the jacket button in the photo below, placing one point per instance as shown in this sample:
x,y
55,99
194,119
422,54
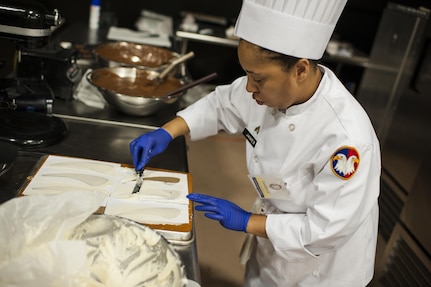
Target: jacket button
x,y
291,127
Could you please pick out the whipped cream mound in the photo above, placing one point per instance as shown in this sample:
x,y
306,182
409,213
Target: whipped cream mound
x,y
123,253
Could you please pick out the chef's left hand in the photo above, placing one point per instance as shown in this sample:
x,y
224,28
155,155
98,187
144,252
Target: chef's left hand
x,y
230,215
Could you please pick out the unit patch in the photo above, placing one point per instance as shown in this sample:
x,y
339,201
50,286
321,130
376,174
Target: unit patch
x,y
345,162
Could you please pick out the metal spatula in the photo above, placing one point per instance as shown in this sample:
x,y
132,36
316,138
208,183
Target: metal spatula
x,y
139,181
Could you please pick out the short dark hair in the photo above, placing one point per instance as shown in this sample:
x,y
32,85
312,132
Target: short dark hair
x,y
286,61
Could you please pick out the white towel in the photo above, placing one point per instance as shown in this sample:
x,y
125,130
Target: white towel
x,y
89,94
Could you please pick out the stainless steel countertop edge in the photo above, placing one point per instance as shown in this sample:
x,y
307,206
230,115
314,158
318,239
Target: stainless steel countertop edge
x,y
116,123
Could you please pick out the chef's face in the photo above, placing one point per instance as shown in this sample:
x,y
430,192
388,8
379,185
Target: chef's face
x,y
270,83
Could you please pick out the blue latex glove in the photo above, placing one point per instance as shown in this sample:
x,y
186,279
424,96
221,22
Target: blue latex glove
x,y
230,215
148,145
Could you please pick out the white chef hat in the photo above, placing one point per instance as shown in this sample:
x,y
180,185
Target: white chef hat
x,y
299,28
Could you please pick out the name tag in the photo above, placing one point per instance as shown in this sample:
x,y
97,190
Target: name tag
x,y
249,137
268,186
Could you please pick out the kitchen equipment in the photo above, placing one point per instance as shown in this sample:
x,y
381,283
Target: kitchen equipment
x,y
134,101
139,181
133,253
8,154
31,129
175,62
129,89
56,65
25,94
27,23
26,103
131,54
81,142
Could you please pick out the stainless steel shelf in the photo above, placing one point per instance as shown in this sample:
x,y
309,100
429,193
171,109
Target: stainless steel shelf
x,y
182,35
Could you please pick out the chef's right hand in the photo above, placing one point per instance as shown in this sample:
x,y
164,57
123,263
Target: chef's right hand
x,y
148,145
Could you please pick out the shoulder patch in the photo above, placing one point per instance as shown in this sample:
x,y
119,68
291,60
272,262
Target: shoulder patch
x,y
345,162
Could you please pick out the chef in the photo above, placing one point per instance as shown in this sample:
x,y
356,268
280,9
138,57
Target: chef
x,y
312,154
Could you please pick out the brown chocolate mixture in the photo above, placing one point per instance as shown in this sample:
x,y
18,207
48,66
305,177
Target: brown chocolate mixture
x,y
135,54
137,85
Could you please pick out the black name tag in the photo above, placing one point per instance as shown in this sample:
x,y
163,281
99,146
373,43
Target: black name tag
x,y
249,137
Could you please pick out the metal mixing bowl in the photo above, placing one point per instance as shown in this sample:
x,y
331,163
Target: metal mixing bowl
x,y
128,89
116,54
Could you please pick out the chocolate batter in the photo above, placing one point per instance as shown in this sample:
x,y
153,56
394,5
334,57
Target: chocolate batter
x,y
135,54
135,84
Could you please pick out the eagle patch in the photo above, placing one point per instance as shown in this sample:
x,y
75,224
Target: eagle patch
x,y
345,162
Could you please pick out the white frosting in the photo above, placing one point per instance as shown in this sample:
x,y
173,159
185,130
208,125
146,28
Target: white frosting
x,y
123,253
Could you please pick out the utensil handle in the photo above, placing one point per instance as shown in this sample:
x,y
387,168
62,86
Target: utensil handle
x,y
190,85
175,62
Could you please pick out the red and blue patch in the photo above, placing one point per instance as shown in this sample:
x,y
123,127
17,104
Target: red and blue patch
x,y
345,162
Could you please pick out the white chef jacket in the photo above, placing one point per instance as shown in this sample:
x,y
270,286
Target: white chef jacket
x,y
323,232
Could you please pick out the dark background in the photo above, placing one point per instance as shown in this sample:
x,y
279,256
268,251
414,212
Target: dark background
x,y
357,25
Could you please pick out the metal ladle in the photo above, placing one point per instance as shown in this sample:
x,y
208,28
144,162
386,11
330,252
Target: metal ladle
x,y
159,78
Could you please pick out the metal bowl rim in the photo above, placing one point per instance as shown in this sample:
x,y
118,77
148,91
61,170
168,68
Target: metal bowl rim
x,y
174,54
162,98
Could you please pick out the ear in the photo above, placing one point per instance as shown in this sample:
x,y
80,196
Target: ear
x,y
302,69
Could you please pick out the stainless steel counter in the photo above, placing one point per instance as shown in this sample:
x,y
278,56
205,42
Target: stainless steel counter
x,y
78,109
94,139
103,135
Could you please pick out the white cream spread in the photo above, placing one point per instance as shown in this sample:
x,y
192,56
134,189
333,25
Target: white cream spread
x,y
123,253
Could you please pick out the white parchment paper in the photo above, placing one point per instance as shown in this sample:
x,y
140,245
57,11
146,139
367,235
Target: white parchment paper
x,y
33,251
